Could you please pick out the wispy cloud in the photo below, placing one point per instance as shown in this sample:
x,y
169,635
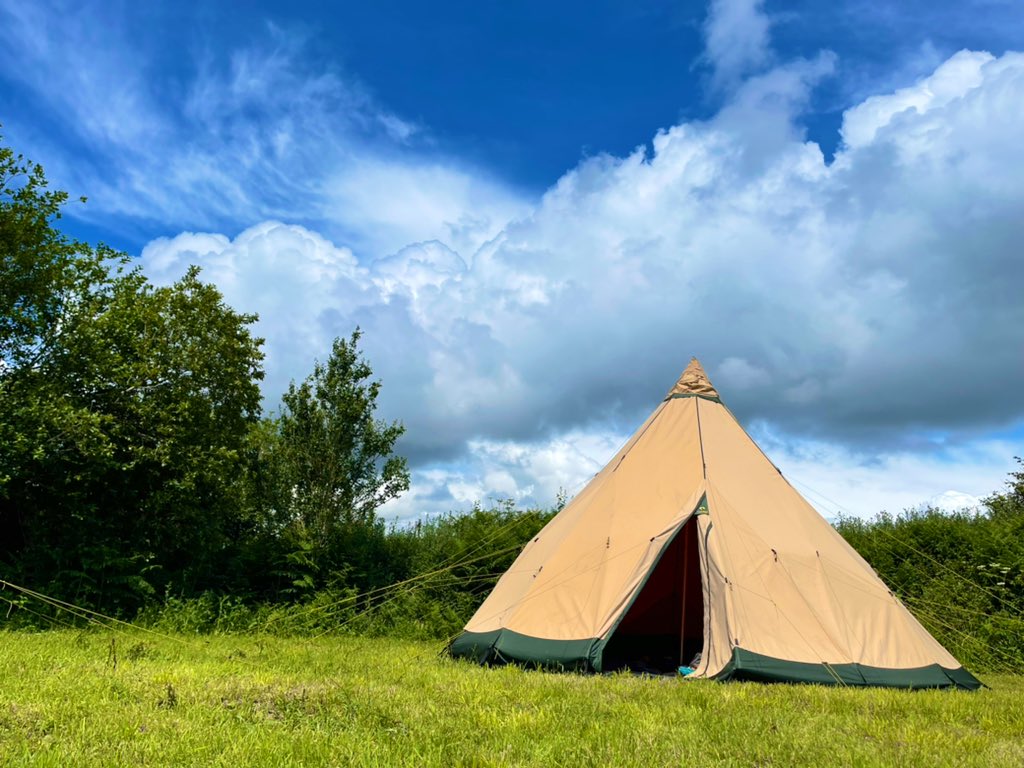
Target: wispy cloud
x,y
737,40
236,136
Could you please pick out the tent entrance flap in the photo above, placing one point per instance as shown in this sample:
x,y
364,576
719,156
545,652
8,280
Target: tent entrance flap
x,y
664,626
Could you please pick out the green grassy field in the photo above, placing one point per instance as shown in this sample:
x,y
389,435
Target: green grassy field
x,y
69,699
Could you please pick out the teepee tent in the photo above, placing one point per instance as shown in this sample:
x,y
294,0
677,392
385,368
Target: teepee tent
x,y
691,541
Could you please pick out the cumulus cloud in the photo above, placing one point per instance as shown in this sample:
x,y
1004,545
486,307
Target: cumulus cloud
x,y
953,78
955,501
868,302
492,471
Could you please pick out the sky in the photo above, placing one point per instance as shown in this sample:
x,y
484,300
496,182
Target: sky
x,y
538,212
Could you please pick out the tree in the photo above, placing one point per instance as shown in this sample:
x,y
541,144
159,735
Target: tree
x,y
124,411
335,462
43,272
1009,504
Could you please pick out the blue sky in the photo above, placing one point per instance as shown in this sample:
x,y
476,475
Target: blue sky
x,y
538,212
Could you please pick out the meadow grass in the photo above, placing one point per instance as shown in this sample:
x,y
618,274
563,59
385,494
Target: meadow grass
x,y
100,699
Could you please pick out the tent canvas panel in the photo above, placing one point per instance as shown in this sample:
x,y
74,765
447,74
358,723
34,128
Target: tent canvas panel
x,y
798,590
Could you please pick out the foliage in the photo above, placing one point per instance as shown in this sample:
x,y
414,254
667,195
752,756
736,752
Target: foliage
x,y
211,613
1009,505
133,463
459,558
322,468
44,273
98,699
125,411
431,578
338,460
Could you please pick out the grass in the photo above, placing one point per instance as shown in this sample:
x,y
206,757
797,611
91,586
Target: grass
x,y
98,699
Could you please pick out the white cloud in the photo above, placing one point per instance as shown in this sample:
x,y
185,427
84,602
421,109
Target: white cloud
x,y
866,302
950,81
385,204
955,501
839,481
737,39
492,471
418,268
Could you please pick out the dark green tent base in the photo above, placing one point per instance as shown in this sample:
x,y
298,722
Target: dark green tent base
x,y
503,646
746,665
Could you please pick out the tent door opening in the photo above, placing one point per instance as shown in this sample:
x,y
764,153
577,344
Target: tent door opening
x,y
664,627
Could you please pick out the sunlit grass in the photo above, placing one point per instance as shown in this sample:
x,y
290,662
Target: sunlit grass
x,y
69,699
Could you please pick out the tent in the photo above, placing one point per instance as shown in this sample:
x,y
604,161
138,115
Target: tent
x,y
691,541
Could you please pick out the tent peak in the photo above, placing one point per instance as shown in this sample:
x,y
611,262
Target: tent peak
x,y
693,382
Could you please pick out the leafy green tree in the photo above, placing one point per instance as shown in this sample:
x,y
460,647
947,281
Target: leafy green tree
x,y
124,412
1009,505
43,272
333,466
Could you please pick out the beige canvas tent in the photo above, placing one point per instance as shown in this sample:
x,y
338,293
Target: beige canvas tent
x,y
691,541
